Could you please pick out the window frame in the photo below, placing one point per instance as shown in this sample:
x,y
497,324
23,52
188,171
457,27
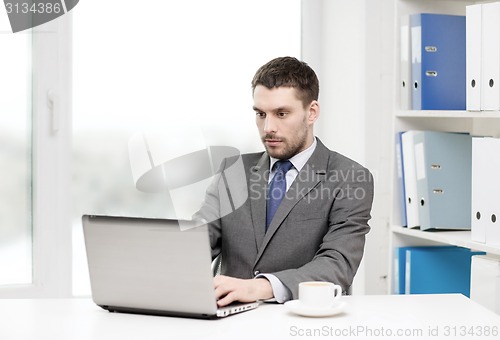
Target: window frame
x,y
51,162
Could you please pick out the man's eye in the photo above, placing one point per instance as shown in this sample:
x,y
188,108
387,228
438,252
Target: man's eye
x,y
282,114
260,114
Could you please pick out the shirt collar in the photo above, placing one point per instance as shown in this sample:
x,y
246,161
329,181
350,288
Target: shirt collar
x,y
299,160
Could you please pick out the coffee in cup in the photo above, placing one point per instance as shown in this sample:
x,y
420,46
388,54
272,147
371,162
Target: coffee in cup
x,y
318,294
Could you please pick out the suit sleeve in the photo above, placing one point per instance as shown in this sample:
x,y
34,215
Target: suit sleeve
x,y
210,213
342,247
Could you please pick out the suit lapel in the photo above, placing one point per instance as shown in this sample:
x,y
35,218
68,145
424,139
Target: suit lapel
x,y
257,185
313,172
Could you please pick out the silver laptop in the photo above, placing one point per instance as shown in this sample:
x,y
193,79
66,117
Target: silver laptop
x,y
150,266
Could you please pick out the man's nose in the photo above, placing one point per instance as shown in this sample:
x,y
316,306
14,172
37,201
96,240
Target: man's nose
x,y
270,125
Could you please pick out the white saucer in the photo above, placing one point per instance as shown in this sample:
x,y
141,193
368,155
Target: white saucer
x,y
295,306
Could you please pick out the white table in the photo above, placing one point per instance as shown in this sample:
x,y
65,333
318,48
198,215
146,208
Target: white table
x,y
382,316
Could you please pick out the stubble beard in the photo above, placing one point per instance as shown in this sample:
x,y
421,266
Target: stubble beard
x,y
291,147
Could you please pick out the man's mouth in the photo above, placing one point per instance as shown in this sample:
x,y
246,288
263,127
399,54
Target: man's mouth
x,y
272,141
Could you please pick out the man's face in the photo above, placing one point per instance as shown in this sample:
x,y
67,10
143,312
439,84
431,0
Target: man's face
x,y
285,126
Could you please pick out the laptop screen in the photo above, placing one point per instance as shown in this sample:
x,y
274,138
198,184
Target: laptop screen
x,y
149,264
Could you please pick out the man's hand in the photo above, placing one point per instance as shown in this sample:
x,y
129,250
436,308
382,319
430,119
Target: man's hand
x,y
229,289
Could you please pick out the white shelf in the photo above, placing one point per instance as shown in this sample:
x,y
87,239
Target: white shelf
x,y
446,114
476,123
455,238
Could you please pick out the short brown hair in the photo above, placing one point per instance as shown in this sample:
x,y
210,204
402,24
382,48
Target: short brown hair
x,y
289,72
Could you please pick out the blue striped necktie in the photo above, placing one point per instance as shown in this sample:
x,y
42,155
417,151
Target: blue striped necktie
x,y
277,189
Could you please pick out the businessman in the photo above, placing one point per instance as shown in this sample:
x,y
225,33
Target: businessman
x,y
307,211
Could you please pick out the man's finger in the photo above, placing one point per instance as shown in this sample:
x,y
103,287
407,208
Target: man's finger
x,y
226,300
221,290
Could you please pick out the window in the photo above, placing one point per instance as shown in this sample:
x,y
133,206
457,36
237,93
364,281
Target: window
x,y
15,156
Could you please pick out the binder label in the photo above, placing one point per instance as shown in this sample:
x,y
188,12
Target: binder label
x,y
405,32
416,52
420,161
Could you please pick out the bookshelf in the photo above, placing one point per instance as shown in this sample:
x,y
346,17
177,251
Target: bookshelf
x,y
479,123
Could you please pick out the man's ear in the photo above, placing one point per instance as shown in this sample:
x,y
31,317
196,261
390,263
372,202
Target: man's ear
x,y
313,112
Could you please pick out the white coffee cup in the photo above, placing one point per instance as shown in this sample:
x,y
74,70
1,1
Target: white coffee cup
x,y
318,294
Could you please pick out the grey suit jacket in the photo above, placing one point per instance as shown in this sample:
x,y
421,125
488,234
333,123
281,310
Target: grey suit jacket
x,y
318,231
